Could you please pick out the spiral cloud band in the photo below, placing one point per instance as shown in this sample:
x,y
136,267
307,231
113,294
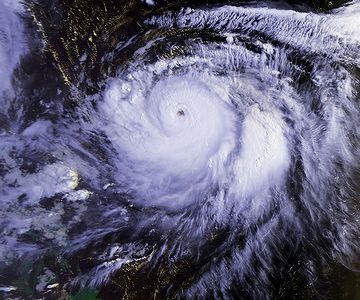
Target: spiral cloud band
x,y
216,154
186,133
183,132
233,132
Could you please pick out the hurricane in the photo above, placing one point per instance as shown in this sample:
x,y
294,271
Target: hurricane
x,y
188,150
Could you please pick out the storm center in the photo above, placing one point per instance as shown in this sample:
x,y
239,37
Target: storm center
x,y
180,113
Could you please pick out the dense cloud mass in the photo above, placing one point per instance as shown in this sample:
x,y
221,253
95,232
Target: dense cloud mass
x,y
180,150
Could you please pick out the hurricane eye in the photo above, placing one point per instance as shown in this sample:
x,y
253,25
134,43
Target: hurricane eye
x,y
180,113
